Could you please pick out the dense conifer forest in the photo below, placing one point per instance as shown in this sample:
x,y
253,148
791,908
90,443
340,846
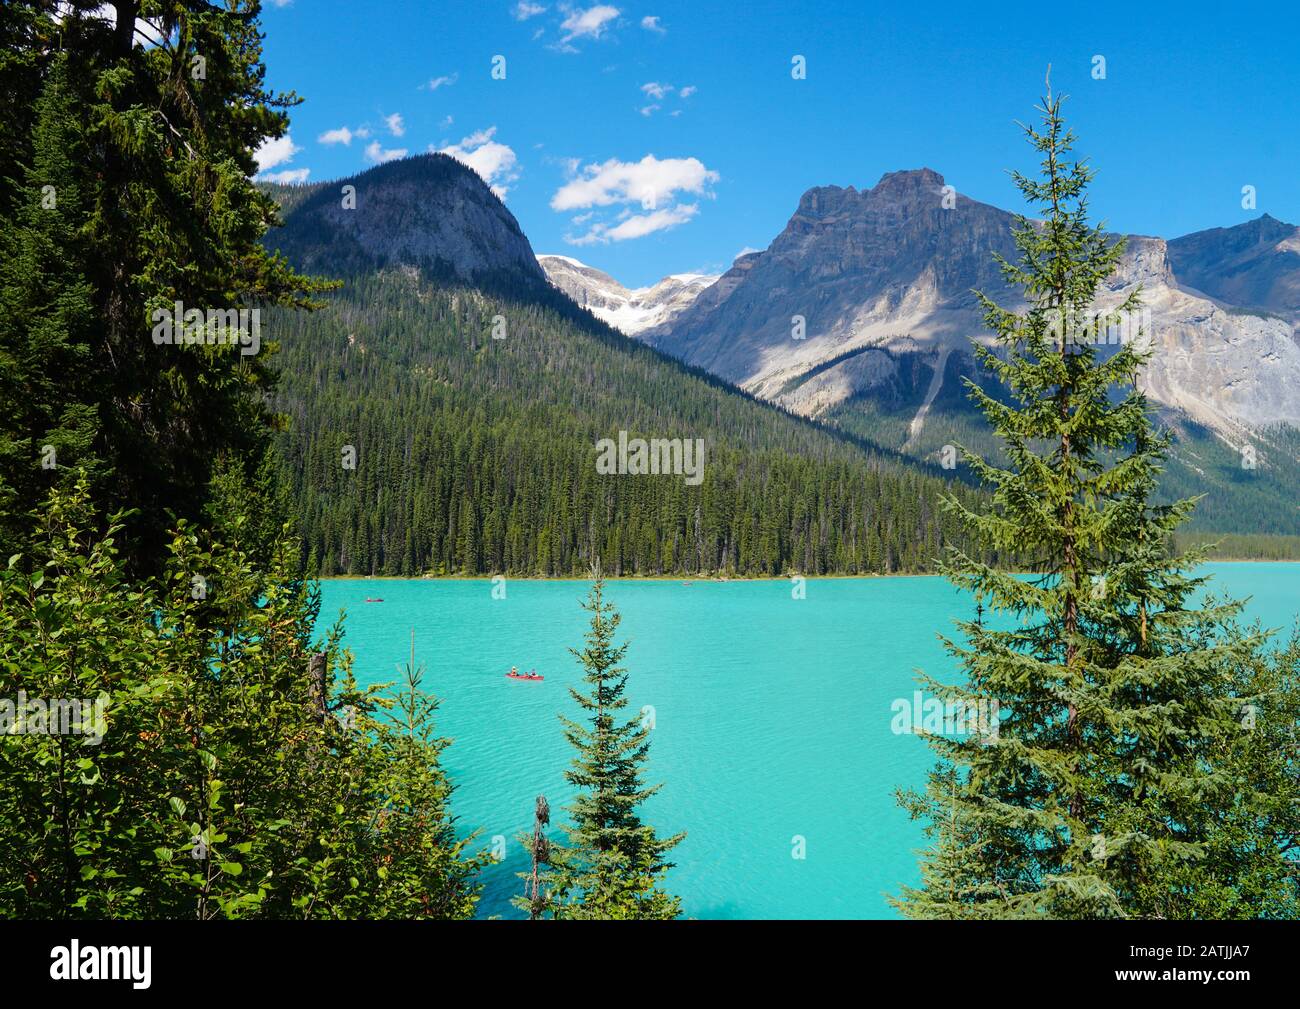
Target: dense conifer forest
x,y
476,455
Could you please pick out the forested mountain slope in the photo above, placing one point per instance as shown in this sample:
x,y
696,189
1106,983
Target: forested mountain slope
x,y
476,454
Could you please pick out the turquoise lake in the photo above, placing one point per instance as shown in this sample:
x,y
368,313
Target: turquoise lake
x,y
771,718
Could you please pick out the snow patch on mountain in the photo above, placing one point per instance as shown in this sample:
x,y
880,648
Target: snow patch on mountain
x,y
629,310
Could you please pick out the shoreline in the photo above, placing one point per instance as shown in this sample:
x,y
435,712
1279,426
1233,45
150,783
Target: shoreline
x,y
706,579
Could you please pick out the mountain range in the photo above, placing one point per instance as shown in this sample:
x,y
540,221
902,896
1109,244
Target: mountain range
x,y
443,412
858,281
823,373
860,314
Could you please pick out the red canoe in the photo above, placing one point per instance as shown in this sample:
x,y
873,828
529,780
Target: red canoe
x,y
524,676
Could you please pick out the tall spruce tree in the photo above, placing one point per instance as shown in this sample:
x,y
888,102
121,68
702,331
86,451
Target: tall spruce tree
x,y
613,865
132,192
1119,699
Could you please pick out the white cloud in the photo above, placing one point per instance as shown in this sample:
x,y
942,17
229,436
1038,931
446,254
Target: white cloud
x,y
445,81
379,155
589,23
275,151
652,183
395,124
152,33
649,182
524,10
342,135
289,176
638,225
494,162
651,24
658,92
447,121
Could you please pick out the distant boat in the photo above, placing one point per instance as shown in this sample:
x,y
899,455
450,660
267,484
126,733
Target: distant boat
x,y
525,676
374,600
686,583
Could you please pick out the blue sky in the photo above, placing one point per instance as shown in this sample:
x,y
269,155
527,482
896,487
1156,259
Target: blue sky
x,y
667,137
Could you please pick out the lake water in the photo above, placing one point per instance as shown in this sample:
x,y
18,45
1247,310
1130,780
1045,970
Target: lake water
x,y
771,718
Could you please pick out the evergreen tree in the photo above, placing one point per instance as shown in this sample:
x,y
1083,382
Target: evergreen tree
x,y
1117,697
147,575
613,865
134,193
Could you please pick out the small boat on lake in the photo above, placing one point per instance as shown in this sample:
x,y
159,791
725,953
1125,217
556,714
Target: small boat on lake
x,y
514,674
374,600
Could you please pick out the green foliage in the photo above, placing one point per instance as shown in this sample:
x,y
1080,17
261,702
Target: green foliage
x,y
1249,864
227,783
613,864
1232,547
1119,770
127,190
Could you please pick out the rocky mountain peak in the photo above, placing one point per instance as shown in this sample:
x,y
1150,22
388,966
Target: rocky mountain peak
x,y
821,201
428,211
1255,264
860,281
915,185
916,189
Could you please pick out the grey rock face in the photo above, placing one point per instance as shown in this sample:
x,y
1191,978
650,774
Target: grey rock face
x,y
1252,265
891,269
428,211
1226,368
859,268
